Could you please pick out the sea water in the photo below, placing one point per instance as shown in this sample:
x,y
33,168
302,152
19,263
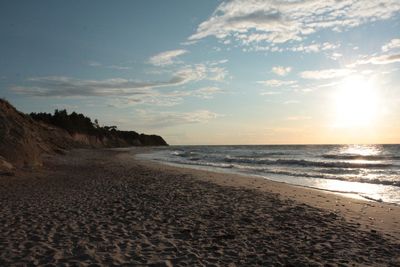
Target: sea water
x,y
368,171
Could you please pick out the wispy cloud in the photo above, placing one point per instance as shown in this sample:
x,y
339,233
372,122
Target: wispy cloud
x,y
270,93
134,92
150,97
325,74
255,21
167,57
94,64
277,83
169,119
117,67
207,92
98,65
377,60
67,86
161,98
281,71
314,47
392,44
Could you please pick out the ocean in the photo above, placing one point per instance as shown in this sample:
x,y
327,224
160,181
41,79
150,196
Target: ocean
x,y
367,171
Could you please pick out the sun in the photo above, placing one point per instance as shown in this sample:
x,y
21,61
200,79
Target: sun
x,y
356,102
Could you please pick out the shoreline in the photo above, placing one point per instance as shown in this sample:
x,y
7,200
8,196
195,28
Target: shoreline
x,y
354,208
352,195
371,178
107,208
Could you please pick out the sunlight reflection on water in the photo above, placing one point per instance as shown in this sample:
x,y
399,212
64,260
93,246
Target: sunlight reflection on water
x,y
371,171
363,150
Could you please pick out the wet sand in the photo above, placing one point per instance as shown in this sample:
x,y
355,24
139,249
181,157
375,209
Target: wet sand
x,y
105,208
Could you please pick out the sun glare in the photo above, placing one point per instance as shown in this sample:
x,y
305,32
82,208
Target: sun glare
x,y
356,103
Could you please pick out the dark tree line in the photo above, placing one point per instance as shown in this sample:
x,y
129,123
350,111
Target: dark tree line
x,y
79,123
73,123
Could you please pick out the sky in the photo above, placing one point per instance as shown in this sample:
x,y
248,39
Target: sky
x,y
210,72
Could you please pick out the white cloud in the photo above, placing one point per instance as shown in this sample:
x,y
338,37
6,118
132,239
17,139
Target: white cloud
x,y
377,60
151,97
314,47
169,119
270,93
393,44
335,56
281,71
325,74
59,86
304,48
98,64
67,86
271,21
277,83
288,102
166,58
214,63
160,98
207,92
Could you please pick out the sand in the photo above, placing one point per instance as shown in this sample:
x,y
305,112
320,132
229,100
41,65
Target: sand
x,y
105,208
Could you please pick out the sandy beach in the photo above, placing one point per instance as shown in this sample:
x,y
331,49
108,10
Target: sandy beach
x,y
106,208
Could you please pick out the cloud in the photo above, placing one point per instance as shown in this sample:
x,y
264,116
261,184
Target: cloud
x,y
126,92
94,64
117,67
270,93
67,86
217,73
392,44
314,48
276,22
288,102
166,58
378,60
208,71
304,48
98,64
150,97
206,92
281,71
277,83
335,56
168,99
325,74
169,119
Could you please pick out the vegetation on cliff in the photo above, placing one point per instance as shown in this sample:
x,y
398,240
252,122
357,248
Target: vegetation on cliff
x,y
25,138
79,123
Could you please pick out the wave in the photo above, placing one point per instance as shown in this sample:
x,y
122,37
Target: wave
x,y
265,171
308,163
332,177
359,157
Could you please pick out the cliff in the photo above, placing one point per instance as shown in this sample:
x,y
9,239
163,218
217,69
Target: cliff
x,y
24,140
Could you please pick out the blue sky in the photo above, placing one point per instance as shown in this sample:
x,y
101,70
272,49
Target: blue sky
x,y
210,72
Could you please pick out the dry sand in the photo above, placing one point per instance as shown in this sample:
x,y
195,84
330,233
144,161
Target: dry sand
x,y
105,208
